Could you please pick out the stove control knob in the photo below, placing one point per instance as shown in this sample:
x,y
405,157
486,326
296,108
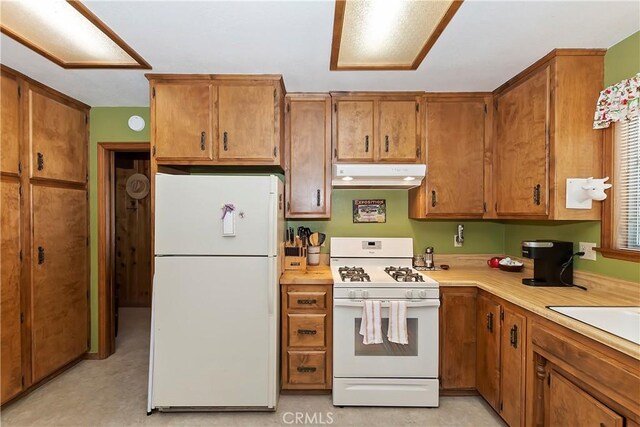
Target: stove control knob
x,y
410,294
423,294
365,294
352,294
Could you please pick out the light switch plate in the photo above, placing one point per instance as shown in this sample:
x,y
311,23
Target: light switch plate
x,y
587,248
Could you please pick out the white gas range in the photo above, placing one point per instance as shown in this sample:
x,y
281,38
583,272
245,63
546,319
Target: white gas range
x,y
386,374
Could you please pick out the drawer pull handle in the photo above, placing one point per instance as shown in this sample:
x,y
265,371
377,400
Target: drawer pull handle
x,y
366,143
40,161
225,141
306,369
307,301
203,140
490,322
307,332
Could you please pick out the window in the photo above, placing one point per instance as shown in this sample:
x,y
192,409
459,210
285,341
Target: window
x,y
627,177
621,215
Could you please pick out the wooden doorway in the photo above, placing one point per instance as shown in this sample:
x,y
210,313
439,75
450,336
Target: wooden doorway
x,y
123,274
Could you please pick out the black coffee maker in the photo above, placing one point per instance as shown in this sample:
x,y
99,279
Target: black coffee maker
x,y
552,264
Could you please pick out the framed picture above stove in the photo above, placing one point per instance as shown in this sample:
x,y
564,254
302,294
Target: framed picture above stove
x,y
369,210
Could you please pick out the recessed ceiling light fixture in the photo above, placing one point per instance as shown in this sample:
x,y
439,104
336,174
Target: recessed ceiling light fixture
x,y
67,33
387,34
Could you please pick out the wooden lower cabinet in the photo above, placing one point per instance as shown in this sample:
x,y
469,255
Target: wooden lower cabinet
x,y
306,356
570,405
10,324
512,366
488,350
577,381
457,339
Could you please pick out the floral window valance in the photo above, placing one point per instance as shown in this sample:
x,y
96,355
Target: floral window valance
x,y
618,102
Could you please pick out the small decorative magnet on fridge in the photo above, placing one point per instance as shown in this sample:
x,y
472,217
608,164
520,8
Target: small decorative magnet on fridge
x,y
228,220
581,192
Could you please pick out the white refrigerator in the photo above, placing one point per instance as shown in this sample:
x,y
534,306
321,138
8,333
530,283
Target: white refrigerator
x,y
214,327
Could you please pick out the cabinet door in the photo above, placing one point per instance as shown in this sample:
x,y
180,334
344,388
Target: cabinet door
x,y
247,119
11,359
398,131
513,367
455,154
458,338
59,278
354,130
57,139
488,350
571,406
183,120
9,125
522,147
308,124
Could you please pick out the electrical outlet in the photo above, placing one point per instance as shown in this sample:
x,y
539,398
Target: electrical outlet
x,y
587,248
456,244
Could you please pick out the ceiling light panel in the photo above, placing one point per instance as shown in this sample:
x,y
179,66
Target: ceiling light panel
x,y
387,34
67,33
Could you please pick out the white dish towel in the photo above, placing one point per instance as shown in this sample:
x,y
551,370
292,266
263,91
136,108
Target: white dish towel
x,y
371,326
397,331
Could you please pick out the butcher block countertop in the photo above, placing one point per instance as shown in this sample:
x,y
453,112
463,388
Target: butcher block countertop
x,y
508,286
320,275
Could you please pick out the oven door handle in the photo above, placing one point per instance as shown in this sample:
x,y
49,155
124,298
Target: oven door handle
x,y
385,303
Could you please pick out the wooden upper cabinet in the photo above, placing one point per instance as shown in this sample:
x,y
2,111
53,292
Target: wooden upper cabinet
x,y
183,120
455,146
570,405
308,151
9,124
376,127
247,123
354,130
521,147
488,350
217,119
512,376
458,338
398,131
58,137
544,135
59,278
10,307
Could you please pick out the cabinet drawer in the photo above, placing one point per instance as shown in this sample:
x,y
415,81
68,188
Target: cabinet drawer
x,y
307,330
306,300
307,367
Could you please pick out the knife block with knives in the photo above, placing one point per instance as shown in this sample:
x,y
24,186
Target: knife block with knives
x,y
295,251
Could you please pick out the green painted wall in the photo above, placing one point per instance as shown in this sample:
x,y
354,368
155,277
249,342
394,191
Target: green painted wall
x,y
107,124
480,236
621,62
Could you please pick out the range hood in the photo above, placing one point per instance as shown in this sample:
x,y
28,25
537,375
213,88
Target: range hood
x,y
377,176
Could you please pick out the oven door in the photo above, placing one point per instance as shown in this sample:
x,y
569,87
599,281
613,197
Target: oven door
x,y
417,359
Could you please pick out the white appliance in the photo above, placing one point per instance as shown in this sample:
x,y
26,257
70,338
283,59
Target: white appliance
x,y
386,374
377,175
214,328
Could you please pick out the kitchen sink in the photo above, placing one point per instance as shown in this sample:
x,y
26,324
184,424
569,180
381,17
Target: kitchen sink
x,y
623,322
